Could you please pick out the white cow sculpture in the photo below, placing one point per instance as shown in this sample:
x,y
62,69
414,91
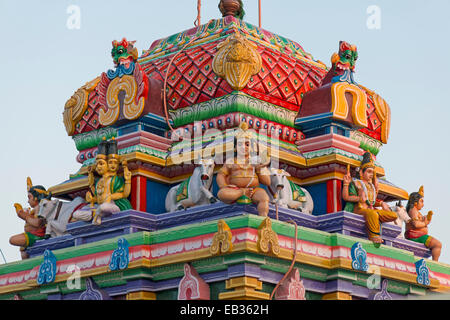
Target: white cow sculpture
x,y
403,218
194,191
280,185
58,214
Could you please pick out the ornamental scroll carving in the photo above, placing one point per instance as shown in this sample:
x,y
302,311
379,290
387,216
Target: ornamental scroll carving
x,y
267,238
222,240
125,94
340,107
76,106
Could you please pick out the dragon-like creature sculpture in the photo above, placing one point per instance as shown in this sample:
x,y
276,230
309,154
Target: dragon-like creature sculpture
x,y
343,64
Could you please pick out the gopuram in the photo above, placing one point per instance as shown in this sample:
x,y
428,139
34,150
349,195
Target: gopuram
x,y
224,162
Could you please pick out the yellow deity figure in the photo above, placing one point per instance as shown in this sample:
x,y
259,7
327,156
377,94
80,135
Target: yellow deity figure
x,y
417,228
240,178
111,191
361,197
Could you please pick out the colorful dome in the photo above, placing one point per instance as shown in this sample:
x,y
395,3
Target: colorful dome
x,y
287,71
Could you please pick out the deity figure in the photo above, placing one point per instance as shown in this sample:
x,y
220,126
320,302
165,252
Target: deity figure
x,y
417,228
361,197
119,187
34,225
108,194
239,180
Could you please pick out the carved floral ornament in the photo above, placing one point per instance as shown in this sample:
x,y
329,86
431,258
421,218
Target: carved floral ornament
x,y
76,106
237,59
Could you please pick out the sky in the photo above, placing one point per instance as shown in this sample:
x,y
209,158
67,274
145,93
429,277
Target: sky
x,y
46,56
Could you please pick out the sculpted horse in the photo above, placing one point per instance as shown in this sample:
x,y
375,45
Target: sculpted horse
x,y
58,214
194,191
289,195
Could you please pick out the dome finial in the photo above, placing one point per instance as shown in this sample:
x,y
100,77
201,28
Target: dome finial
x,y
233,8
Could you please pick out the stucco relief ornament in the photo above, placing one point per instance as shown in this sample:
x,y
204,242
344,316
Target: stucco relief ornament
x,y
359,257
123,91
383,294
292,287
267,238
192,286
120,257
423,273
76,106
91,293
222,240
237,59
47,270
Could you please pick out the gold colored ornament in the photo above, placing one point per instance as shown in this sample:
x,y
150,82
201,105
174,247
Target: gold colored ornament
x,y
369,164
243,132
383,112
421,191
267,238
131,110
221,242
340,107
237,59
76,106
29,183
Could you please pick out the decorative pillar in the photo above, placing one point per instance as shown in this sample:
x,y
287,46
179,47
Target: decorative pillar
x,y
334,195
139,193
245,288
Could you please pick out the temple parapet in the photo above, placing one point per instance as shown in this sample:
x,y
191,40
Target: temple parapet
x,y
130,221
246,264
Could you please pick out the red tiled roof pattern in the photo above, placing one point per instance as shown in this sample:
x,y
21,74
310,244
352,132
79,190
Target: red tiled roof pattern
x,y
374,124
191,79
90,121
281,81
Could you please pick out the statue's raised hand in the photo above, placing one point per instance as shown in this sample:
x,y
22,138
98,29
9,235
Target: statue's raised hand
x,y
18,207
91,179
347,177
126,171
89,197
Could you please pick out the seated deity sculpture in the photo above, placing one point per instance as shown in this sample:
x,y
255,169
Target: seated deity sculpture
x,y
417,228
109,193
361,197
239,180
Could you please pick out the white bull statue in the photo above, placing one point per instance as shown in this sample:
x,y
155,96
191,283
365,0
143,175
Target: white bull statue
x,y
194,191
289,195
58,214
403,218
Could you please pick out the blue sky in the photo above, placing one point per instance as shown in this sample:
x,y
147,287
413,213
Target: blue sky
x,y
44,62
